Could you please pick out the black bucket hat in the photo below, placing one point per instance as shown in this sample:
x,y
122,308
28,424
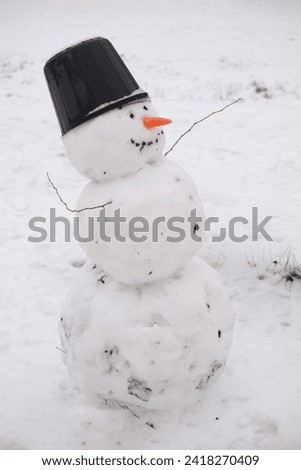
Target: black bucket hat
x,y
89,79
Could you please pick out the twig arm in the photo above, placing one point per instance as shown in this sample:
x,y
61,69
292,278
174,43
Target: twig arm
x,y
66,205
201,120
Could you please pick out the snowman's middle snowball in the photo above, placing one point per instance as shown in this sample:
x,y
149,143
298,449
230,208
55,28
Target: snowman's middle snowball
x,y
160,189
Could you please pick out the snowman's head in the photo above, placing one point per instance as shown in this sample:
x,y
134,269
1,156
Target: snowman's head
x,y
118,142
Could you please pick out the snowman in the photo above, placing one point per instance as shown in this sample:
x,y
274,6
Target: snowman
x,y
146,321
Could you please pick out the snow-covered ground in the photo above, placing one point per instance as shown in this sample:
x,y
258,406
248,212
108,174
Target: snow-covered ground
x,y
193,57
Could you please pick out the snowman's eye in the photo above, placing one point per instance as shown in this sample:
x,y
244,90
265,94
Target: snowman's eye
x,y
145,107
132,116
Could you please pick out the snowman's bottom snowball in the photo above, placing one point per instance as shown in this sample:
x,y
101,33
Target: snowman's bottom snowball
x,y
156,345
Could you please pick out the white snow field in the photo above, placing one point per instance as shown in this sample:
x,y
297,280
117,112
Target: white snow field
x,y
193,57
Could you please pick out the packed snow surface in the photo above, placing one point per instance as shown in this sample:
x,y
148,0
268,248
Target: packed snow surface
x,y
192,57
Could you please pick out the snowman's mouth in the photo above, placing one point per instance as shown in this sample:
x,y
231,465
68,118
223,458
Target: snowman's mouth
x,y
145,143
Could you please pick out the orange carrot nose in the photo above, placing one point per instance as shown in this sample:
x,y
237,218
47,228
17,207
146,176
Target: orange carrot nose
x,y
150,122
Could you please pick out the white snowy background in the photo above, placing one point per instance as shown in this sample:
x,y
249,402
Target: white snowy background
x,y
193,57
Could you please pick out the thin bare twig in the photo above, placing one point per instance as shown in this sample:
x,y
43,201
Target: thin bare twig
x,y
150,425
124,407
59,349
114,402
66,205
201,120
